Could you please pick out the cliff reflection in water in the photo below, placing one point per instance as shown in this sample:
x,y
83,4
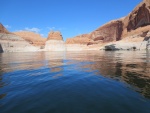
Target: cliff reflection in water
x,y
126,66
131,67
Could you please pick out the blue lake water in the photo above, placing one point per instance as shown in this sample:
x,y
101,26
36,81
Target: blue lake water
x,y
75,82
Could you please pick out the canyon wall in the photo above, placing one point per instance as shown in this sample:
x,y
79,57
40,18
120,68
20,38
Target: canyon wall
x,y
81,39
14,43
124,33
107,33
10,42
138,20
33,38
136,29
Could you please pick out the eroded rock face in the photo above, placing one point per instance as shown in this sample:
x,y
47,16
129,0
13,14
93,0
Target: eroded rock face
x,y
14,43
138,20
10,42
55,35
109,32
139,17
3,29
31,37
81,39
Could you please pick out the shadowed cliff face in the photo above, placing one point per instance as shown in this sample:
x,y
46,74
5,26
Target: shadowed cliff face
x,y
1,49
109,32
139,17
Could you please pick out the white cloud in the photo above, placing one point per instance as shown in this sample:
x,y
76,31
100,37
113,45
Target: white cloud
x,y
7,26
56,29
62,28
34,29
51,28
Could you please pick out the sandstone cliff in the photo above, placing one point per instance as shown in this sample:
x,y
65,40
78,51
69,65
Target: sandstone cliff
x,y
54,35
31,37
133,28
81,39
14,43
55,42
10,42
136,29
3,29
109,32
138,18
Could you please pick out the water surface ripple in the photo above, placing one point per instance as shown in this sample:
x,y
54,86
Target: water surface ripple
x,y
75,82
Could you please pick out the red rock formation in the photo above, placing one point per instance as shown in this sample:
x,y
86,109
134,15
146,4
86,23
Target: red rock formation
x,y
31,37
3,29
55,42
10,42
81,39
138,21
109,32
54,35
138,18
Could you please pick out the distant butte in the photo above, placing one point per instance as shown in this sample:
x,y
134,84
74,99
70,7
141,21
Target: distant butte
x,y
54,35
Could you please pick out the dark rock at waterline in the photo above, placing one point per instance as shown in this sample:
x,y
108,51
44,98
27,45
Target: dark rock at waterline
x,y
114,47
111,48
1,49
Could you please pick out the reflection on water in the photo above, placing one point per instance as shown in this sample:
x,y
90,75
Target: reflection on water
x,y
43,73
130,67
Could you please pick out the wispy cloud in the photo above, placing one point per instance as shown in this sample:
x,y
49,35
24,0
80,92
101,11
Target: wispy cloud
x,y
62,28
7,26
51,28
54,28
34,29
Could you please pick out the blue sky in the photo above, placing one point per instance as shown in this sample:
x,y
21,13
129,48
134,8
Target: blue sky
x,y
70,17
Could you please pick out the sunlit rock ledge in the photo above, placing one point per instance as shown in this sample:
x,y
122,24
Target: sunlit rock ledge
x,y
14,43
134,42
